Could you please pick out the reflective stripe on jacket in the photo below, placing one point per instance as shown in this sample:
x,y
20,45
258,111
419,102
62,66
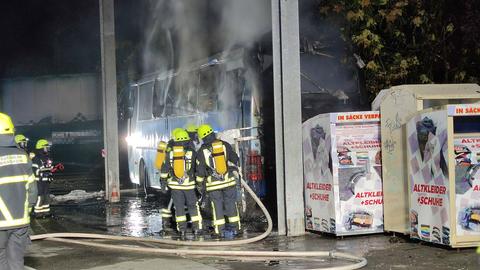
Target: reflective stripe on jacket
x,y
188,181
206,168
41,170
18,192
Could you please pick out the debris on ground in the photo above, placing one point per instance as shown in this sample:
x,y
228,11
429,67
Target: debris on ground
x,y
77,196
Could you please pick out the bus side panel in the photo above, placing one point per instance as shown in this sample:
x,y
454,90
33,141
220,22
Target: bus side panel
x,y
183,121
152,132
132,172
133,155
223,120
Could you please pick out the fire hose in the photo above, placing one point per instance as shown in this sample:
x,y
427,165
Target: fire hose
x,y
357,262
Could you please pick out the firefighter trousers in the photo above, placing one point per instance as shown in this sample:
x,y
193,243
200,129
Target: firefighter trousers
x,y
43,201
224,204
13,244
167,212
188,198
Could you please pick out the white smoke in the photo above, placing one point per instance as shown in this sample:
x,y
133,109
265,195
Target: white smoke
x,y
184,31
244,21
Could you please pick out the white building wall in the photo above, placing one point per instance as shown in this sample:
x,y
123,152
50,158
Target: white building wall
x,y
28,100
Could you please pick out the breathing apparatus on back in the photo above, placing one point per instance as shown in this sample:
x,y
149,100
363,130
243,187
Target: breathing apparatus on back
x,y
181,140
161,154
205,132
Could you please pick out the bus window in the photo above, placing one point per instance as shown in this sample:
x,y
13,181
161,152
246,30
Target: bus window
x,y
231,90
185,93
145,101
159,97
207,89
169,96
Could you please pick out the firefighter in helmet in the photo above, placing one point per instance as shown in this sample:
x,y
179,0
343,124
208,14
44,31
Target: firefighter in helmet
x,y
192,132
162,149
18,193
217,170
42,169
179,174
21,141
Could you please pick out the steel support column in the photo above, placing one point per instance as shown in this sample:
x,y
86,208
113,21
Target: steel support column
x,y
109,93
288,120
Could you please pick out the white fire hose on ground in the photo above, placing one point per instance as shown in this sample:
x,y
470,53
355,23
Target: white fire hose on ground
x,y
358,262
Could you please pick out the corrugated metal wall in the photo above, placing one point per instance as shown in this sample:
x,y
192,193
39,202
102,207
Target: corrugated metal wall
x,y
62,98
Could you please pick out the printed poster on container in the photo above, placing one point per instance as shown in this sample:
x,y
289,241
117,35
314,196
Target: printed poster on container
x,y
467,183
428,173
358,176
319,212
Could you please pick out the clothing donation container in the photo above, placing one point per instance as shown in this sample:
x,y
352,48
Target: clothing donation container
x,y
342,173
443,157
397,105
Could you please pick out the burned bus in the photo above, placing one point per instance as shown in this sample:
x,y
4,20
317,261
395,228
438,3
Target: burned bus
x,y
223,91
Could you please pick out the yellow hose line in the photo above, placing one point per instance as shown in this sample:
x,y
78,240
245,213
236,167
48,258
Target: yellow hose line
x,y
60,237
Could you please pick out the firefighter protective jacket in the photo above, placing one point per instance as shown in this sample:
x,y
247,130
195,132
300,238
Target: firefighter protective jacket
x,y
188,155
42,167
206,168
18,192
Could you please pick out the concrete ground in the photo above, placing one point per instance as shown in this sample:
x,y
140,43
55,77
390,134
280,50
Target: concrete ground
x,y
137,217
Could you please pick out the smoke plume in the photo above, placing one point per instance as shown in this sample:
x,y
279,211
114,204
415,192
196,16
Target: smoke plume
x,y
181,32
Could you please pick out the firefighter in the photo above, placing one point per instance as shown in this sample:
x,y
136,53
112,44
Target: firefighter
x,y
42,168
178,172
18,193
217,170
21,141
192,132
172,138
166,212
167,215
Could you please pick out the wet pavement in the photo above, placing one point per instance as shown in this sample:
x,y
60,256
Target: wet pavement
x,y
139,217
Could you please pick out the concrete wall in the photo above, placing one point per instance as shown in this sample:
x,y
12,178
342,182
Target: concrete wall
x,y
61,97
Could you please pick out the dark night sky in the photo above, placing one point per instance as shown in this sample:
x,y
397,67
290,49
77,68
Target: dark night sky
x,y
48,37
62,36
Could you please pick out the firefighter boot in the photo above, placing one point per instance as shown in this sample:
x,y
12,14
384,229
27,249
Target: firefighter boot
x,y
197,233
218,236
182,234
236,232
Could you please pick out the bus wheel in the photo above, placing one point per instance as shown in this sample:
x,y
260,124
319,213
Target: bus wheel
x,y
143,177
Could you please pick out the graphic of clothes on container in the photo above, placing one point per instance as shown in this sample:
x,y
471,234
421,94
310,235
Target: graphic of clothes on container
x,y
359,179
465,170
178,172
462,155
317,134
348,179
428,146
321,151
467,176
318,172
42,167
344,156
217,169
425,129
